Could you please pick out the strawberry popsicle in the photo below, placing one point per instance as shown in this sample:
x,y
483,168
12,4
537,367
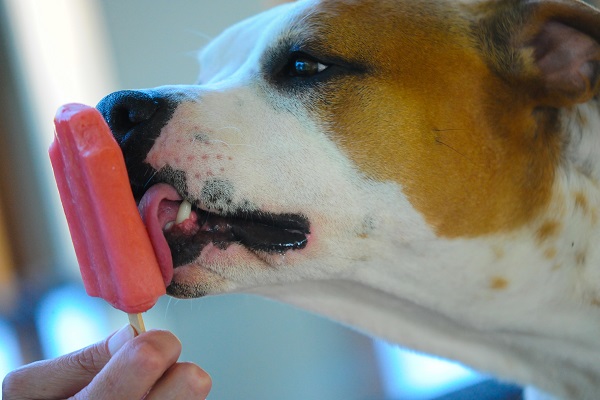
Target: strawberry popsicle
x,y
114,252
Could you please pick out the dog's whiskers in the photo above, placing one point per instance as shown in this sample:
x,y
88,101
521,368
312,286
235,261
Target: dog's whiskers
x,y
203,138
230,144
201,34
219,141
168,306
233,128
150,179
438,140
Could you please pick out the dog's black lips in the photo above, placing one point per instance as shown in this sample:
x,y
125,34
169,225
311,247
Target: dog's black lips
x,y
258,232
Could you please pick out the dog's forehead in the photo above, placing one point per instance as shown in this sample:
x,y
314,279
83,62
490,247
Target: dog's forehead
x,y
366,31
359,25
242,43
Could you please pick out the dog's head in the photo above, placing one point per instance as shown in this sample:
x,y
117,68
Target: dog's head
x,y
442,154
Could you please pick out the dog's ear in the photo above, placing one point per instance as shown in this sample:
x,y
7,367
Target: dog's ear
x,y
551,48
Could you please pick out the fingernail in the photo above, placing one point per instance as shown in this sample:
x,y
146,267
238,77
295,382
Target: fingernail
x,y
119,339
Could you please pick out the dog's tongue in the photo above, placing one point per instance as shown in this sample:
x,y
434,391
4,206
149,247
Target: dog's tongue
x,y
158,207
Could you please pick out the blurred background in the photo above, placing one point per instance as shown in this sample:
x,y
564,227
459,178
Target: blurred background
x,y
60,51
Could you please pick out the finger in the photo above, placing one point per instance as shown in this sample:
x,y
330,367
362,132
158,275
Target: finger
x,y
182,381
64,376
135,368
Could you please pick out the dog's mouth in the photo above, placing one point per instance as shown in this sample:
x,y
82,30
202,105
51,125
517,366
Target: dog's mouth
x,y
180,230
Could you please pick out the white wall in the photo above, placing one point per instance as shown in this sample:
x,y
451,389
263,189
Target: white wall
x,y
155,42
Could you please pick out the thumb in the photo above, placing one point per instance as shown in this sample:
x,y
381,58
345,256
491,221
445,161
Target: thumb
x,y
119,338
90,360
65,376
84,364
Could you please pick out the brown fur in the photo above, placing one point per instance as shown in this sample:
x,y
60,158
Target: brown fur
x,y
469,165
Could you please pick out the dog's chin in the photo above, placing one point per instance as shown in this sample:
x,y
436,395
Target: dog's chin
x,y
208,274
187,291
219,270
192,281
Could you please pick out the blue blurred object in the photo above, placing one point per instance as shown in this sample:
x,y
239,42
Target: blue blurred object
x,y
10,355
68,319
412,376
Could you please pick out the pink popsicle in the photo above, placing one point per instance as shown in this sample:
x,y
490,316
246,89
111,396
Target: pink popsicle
x,y
114,252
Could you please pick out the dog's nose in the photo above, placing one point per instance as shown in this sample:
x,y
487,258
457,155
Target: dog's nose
x,y
126,109
136,118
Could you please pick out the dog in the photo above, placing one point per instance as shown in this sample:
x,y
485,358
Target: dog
x,y
424,171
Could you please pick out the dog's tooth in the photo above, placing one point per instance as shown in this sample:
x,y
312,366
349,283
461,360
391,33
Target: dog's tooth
x,y
185,209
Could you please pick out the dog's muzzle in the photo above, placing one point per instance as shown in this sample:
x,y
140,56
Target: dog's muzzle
x,y
136,119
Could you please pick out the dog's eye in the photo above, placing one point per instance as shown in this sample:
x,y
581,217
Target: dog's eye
x,y
301,65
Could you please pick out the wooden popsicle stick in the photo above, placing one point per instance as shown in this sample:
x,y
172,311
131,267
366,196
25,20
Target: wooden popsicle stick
x,y
137,322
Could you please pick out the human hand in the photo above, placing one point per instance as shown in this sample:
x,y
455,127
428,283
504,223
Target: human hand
x,y
119,367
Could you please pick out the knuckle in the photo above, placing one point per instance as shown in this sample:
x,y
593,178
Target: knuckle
x,y
148,357
194,378
155,351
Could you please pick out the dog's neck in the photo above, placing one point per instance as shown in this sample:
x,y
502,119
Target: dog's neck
x,y
519,290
